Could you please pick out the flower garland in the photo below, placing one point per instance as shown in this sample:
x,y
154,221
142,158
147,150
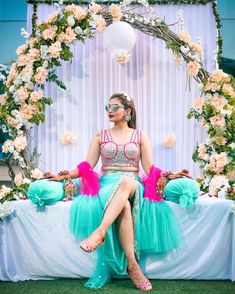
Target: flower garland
x,y
23,103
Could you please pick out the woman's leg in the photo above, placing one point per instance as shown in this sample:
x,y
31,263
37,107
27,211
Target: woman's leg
x,y
125,191
126,235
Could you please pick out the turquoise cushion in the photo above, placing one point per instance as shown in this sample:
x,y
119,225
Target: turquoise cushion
x,y
44,192
183,191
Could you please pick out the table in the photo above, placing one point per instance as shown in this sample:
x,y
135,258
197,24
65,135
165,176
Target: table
x,y
36,244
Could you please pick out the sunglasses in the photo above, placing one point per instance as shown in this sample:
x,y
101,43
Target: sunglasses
x,y
113,107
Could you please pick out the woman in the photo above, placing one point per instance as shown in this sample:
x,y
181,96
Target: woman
x,y
118,221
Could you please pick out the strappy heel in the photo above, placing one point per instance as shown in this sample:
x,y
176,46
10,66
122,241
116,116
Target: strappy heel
x,y
87,247
144,286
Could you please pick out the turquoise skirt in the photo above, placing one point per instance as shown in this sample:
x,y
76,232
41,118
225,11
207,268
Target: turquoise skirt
x,y
155,227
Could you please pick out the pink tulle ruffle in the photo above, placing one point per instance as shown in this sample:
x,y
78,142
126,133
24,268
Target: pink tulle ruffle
x,y
150,183
90,185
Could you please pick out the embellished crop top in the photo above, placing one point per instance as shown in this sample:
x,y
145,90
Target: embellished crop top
x,y
120,155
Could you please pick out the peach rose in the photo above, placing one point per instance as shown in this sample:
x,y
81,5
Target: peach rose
x,y
24,59
23,93
218,102
184,36
79,13
228,89
71,8
96,8
169,141
212,87
68,138
28,110
100,24
219,76
199,102
54,50
68,36
202,152
13,73
21,49
49,33
193,68
203,123
34,53
218,120
35,96
20,143
7,146
12,121
196,48
123,57
219,140
216,183
3,99
41,75
27,70
116,13
217,162
52,17
18,179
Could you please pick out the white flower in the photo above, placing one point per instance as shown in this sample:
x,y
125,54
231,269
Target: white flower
x,y
78,30
232,145
24,33
71,21
200,87
6,209
68,138
26,181
184,50
36,174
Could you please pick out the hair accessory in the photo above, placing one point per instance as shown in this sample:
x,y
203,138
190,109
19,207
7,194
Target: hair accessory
x,y
128,98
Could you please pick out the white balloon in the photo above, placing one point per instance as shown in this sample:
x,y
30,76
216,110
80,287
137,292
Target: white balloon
x,y
119,36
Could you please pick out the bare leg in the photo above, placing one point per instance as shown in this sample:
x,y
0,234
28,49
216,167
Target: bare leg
x,y
126,235
125,191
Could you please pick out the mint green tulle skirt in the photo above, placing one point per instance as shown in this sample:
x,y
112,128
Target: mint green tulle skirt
x,y
155,227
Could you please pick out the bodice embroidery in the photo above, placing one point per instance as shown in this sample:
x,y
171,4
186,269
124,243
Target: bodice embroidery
x,y
120,155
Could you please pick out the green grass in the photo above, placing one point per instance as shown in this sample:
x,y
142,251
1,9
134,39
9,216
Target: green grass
x,y
72,286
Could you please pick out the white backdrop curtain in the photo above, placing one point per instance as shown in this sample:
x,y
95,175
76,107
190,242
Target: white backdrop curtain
x,y
151,78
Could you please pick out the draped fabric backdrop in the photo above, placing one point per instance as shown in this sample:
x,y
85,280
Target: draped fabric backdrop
x,y
151,78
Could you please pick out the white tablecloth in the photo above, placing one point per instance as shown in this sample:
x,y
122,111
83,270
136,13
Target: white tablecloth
x,y
36,244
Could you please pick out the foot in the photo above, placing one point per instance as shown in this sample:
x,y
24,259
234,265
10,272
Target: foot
x,y
93,241
138,278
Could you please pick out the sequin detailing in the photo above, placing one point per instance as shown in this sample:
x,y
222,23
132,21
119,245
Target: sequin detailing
x,y
120,155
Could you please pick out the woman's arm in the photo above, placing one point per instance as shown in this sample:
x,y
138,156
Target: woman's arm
x,y
92,158
146,152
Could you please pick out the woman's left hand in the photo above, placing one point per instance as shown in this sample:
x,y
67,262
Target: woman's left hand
x,y
181,174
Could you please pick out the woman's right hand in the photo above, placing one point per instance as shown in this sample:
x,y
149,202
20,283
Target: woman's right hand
x,y
57,178
48,175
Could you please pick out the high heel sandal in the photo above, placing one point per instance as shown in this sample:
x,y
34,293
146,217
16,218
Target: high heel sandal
x,y
87,247
144,286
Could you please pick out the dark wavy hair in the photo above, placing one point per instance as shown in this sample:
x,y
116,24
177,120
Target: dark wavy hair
x,y
127,104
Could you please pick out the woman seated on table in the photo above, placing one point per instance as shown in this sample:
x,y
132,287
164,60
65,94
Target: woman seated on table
x,y
119,214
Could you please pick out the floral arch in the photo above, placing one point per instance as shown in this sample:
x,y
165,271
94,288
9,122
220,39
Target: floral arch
x,y
23,103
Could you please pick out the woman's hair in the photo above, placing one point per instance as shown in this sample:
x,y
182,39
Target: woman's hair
x,y
127,102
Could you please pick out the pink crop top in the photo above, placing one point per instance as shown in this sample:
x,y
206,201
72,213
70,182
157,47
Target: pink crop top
x,y
120,155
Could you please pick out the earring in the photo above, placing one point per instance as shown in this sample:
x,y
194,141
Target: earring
x,y
127,117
